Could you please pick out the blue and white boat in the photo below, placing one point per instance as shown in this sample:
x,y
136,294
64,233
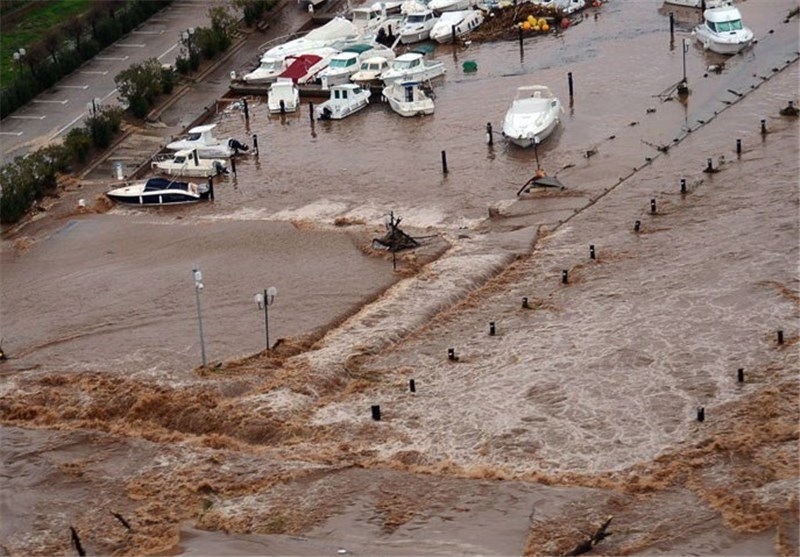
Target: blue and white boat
x,y
160,191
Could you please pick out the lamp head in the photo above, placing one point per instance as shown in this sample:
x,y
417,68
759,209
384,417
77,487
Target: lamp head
x,y
259,300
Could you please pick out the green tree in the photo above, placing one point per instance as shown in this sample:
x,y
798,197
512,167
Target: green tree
x,y
140,85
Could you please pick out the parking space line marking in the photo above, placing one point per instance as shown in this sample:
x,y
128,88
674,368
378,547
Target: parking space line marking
x,y
90,72
170,49
110,58
67,126
11,133
147,32
65,101
42,117
73,86
130,45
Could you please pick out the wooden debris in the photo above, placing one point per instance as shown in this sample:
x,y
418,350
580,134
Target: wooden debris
x,y
588,544
395,239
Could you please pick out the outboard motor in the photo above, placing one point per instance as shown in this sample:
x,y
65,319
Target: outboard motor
x,y
236,146
326,114
219,168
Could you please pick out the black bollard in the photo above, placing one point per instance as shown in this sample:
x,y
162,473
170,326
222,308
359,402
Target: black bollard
x,y
652,206
565,276
569,83
282,104
709,165
255,144
376,412
701,414
211,188
444,162
194,156
233,165
637,225
683,185
491,329
412,386
246,111
453,34
780,337
311,111
489,136
451,354
740,375
763,126
520,39
525,303
591,252
671,25
738,147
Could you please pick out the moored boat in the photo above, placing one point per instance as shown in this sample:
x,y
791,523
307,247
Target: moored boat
x,y
461,23
207,146
417,26
533,115
160,191
187,163
283,96
409,98
345,99
370,71
413,66
722,31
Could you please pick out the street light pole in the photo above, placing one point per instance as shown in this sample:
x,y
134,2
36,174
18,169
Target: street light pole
x,y
198,286
19,55
263,301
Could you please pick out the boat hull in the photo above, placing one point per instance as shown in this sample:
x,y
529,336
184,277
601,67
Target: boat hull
x,y
155,200
720,45
532,136
159,192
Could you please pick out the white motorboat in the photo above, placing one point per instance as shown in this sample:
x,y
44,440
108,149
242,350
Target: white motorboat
x,y
267,71
722,31
370,71
343,65
345,100
462,23
409,98
704,4
380,16
533,115
336,33
417,26
187,163
283,96
565,6
207,146
413,66
441,6
160,191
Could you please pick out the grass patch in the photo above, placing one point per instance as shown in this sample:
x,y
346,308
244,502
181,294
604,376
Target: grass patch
x,y
31,27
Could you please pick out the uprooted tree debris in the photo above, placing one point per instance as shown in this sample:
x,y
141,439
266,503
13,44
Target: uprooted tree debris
x,y
588,544
395,239
502,23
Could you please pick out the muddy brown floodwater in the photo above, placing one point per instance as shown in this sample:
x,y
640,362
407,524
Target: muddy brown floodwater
x,y
582,406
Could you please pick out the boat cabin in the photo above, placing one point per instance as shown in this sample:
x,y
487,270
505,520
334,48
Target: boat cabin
x,y
724,20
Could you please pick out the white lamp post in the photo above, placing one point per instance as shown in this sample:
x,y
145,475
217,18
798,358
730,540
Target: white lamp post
x,y
18,56
198,286
263,301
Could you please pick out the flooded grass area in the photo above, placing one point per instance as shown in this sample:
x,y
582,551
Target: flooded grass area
x,y
580,406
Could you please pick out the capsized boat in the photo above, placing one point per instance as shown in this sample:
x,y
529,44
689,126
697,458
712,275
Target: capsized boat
x,y
413,66
185,163
160,191
417,26
534,114
722,30
345,99
409,98
283,96
202,139
462,22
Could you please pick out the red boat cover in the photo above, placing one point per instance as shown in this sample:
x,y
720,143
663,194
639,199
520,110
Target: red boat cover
x,y
300,66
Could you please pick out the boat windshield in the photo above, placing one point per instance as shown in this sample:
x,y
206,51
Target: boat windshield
x,y
341,63
156,184
272,65
179,160
735,25
405,64
416,18
193,137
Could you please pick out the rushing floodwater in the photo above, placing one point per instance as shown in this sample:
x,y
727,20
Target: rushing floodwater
x,y
601,374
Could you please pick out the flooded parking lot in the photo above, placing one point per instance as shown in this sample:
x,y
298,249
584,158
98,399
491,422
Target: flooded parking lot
x,y
594,387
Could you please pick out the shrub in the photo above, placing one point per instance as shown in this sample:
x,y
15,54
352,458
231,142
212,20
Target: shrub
x,y
78,142
167,80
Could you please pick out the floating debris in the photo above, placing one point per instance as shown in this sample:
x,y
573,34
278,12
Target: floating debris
x,y
395,239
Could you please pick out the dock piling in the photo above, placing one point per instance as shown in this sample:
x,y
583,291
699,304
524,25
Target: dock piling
x,y
444,162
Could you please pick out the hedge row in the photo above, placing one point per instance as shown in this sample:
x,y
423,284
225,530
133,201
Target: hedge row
x,y
66,47
27,179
